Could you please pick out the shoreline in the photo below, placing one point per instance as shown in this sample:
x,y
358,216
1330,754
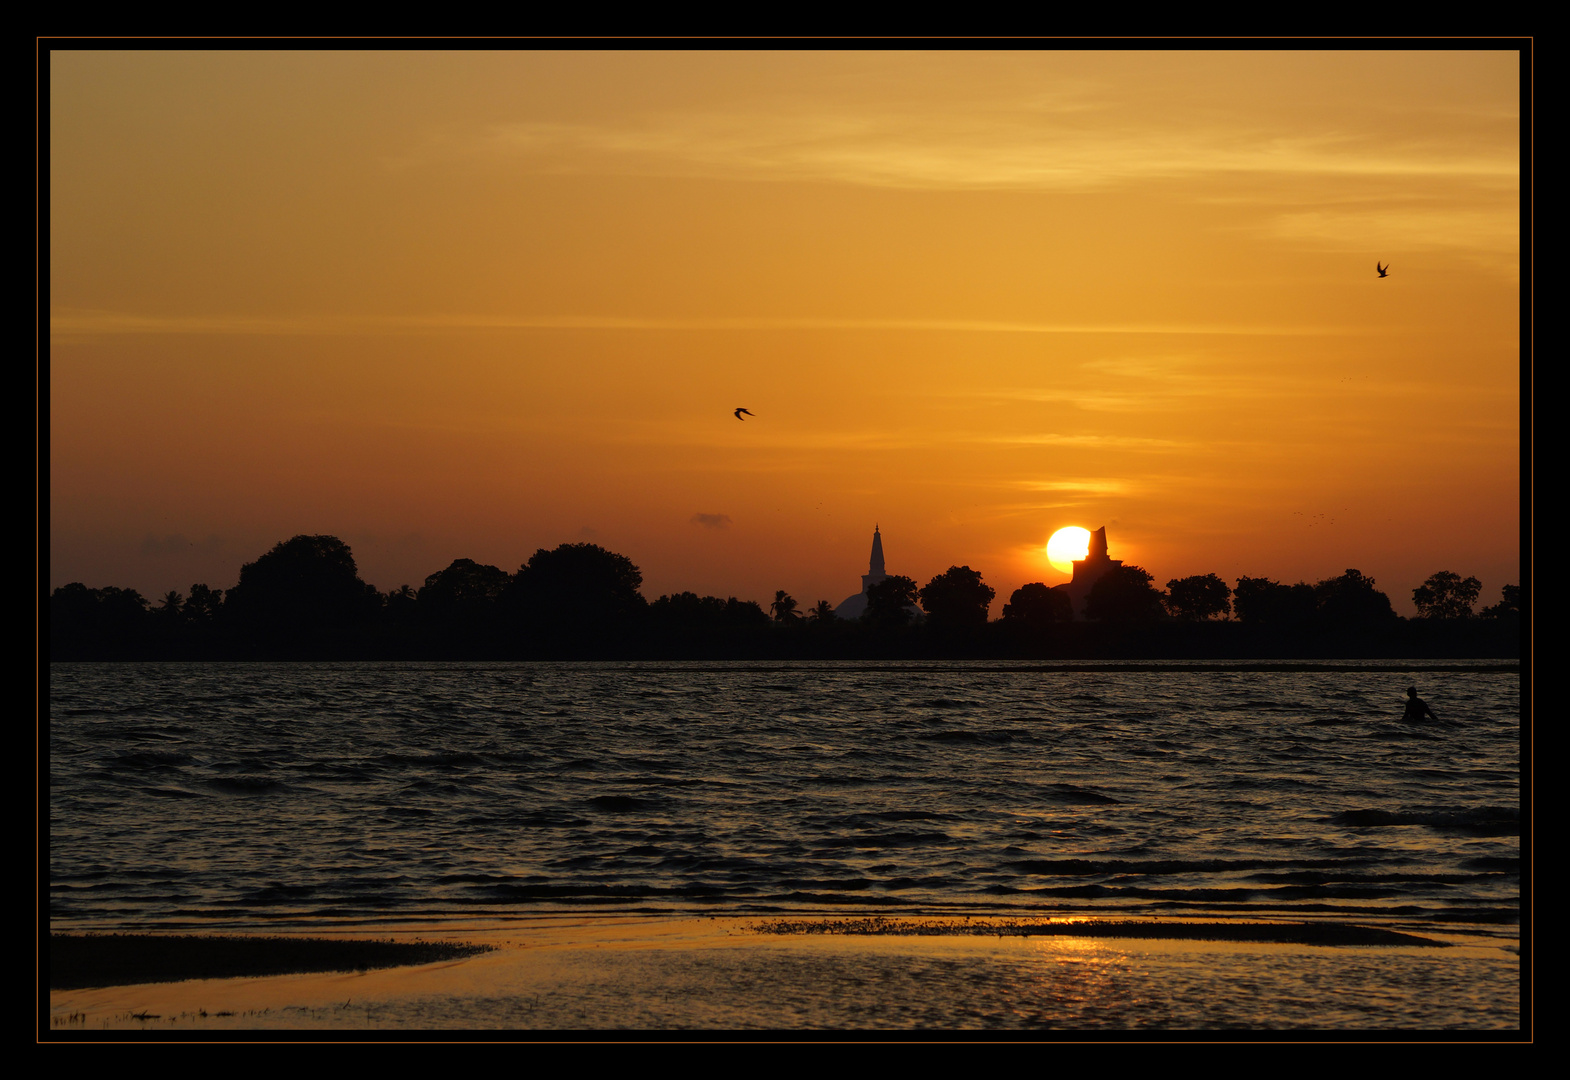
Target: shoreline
x,y
648,974
104,960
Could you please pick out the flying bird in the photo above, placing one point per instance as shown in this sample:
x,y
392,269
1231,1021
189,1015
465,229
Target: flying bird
x,y
740,411
1383,270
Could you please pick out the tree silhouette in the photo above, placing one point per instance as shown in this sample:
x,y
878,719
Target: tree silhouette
x,y
957,599
784,607
743,614
458,610
1036,605
202,619
204,605
1123,594
1262,602
1509,606
1446,596
401,597
576,591
401,608
1351,602
1198,597
685,618
686,607
90,624
889,602
822,613
301,598
466,590
169,621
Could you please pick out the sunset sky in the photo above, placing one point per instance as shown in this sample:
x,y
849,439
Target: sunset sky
x,y
471,304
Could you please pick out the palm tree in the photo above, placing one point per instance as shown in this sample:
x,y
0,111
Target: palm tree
x,y
784,607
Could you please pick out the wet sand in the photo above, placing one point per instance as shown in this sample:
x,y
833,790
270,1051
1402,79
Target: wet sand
x,y
643,973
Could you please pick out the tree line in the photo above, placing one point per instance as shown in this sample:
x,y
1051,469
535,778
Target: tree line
x,y
304,599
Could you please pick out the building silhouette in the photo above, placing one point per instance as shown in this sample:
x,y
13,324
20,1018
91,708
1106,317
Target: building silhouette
x,y
1088,571
853,607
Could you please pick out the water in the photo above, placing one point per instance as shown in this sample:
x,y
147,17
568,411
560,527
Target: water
x,y
253,795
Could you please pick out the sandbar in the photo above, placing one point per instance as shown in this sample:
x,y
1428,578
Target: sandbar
x,y
647,973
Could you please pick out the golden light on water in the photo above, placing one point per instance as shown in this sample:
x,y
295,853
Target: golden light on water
x,y
1066,546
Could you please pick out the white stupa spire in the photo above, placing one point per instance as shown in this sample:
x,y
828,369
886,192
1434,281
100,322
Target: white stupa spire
x,y
853,606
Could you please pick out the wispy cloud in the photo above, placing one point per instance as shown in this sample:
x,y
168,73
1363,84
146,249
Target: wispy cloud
x,y
1095,486
1278,146
68,323
1082,145
712,521
1095,442
1493,231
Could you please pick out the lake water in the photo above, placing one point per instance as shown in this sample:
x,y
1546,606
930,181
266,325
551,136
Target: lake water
x,y
249,796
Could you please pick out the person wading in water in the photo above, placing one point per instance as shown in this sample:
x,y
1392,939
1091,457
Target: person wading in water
x,y
1416,708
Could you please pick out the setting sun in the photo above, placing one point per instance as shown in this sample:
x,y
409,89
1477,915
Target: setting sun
x,y
1067,546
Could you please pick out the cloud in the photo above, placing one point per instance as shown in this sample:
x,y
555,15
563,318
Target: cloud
x,y
1034,145
70,323
712,521
1492,232
1099,442
1290,136
1080,487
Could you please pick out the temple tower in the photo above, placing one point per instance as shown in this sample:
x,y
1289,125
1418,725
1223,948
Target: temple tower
x,y
1088,571
874,572
853,607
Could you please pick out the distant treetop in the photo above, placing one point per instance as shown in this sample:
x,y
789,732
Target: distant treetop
x,y
957,599
1446,596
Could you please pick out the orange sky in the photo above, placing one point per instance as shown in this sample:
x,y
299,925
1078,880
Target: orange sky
x,y
450,305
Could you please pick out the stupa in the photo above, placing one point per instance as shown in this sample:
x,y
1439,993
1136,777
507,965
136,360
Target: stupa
x,y
853,607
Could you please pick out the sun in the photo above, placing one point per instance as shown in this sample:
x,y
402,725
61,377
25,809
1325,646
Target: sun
x,y
1066,546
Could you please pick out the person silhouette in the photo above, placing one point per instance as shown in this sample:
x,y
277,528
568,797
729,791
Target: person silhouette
x,y
1416,708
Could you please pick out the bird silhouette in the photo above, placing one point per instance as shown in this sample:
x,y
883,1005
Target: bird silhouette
x,y
1384,271
740,411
